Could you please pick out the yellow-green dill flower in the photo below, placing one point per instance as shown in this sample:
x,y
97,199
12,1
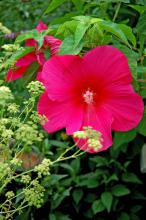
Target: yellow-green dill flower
x,y
4,152
10,194
4,121
11,47
34,195
95,144
37,118
13,108
7,134
80,134
28,134
93,139
5,95
43,168
16,162
4,29
35,88
15,121
5,170
25,179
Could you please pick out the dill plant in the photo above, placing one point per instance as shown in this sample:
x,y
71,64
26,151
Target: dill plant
x,y
19,132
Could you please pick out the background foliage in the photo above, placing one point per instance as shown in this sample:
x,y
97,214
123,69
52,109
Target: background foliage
x,y
109,184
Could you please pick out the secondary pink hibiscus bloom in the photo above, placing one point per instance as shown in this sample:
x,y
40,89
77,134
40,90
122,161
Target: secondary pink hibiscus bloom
x,y
94,90
38,55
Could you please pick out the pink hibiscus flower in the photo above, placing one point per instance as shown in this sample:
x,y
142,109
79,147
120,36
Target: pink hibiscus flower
x,y
94,90
38,55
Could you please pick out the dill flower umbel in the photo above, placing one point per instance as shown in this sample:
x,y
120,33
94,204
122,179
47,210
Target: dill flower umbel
x,y
93,138
35,194
28,133
5,95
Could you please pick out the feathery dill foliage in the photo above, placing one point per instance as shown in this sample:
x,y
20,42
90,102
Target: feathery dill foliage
x,y
18,134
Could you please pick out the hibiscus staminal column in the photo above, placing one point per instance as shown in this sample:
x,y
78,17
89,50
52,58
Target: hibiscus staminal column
x,y
88,97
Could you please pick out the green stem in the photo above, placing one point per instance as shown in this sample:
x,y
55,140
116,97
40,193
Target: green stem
x,y
62,155
76,154
5,184
28,112
67,158
117,11
26,172
15,210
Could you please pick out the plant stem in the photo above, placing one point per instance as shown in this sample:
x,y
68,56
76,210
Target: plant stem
x,y
117,11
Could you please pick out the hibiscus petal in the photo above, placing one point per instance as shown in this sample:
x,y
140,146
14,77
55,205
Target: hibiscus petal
x,y
58,75
26,60
31,43
53,43
41,58
126,106
75,117
109,64
59,115
53,111
41,26
101,120
39,75
103,73
15,74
